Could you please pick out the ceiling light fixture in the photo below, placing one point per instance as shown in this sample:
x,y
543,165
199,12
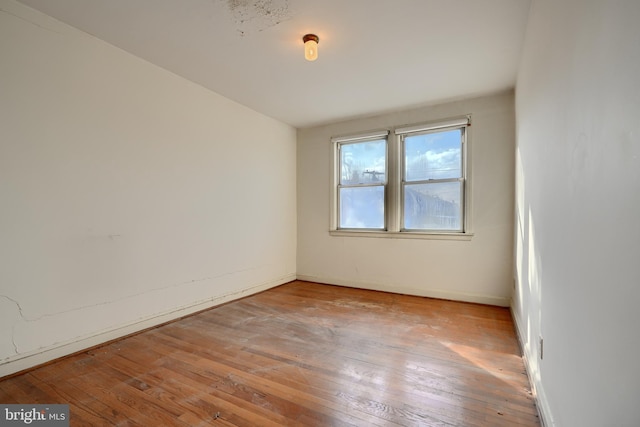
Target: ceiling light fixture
x,y
310,47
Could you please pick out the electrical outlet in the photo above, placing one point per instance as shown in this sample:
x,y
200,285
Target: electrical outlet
x,y
541,346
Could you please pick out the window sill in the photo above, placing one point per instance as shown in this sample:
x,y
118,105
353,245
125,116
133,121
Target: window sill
x,y
402,235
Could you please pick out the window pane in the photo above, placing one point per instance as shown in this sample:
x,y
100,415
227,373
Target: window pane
x,y
433,206
362,207
433,156
363,162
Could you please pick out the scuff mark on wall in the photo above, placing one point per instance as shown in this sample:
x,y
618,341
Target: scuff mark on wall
x,y
257,15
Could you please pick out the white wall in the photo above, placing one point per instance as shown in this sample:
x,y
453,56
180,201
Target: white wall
x,y
477,270
129,195
578,210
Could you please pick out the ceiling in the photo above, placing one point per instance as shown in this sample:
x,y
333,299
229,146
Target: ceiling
x,y
375,56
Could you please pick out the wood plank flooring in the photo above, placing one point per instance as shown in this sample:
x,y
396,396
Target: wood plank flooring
x,y
301,354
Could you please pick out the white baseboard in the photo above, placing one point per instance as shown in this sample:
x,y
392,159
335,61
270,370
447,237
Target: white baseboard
x,y
542,404
431,293
25,361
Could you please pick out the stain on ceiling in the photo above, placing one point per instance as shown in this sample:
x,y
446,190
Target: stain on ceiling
x,y
257,15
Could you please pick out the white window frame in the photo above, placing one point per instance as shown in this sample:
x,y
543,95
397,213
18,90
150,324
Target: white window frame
x,y
394,183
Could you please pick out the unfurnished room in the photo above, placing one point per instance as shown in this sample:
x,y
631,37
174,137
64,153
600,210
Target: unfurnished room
x,y
320,213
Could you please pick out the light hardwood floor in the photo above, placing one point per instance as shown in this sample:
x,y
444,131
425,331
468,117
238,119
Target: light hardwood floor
x,y
300,354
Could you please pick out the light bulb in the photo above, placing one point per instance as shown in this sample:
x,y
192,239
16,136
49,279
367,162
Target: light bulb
x,y
310,47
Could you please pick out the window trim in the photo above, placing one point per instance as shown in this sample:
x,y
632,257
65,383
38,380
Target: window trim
x,y
393,189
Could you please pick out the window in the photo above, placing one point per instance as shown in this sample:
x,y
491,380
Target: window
x,y
413,184
432,180
362,182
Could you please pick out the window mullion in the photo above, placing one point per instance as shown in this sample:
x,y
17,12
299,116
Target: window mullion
x,y
394,199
